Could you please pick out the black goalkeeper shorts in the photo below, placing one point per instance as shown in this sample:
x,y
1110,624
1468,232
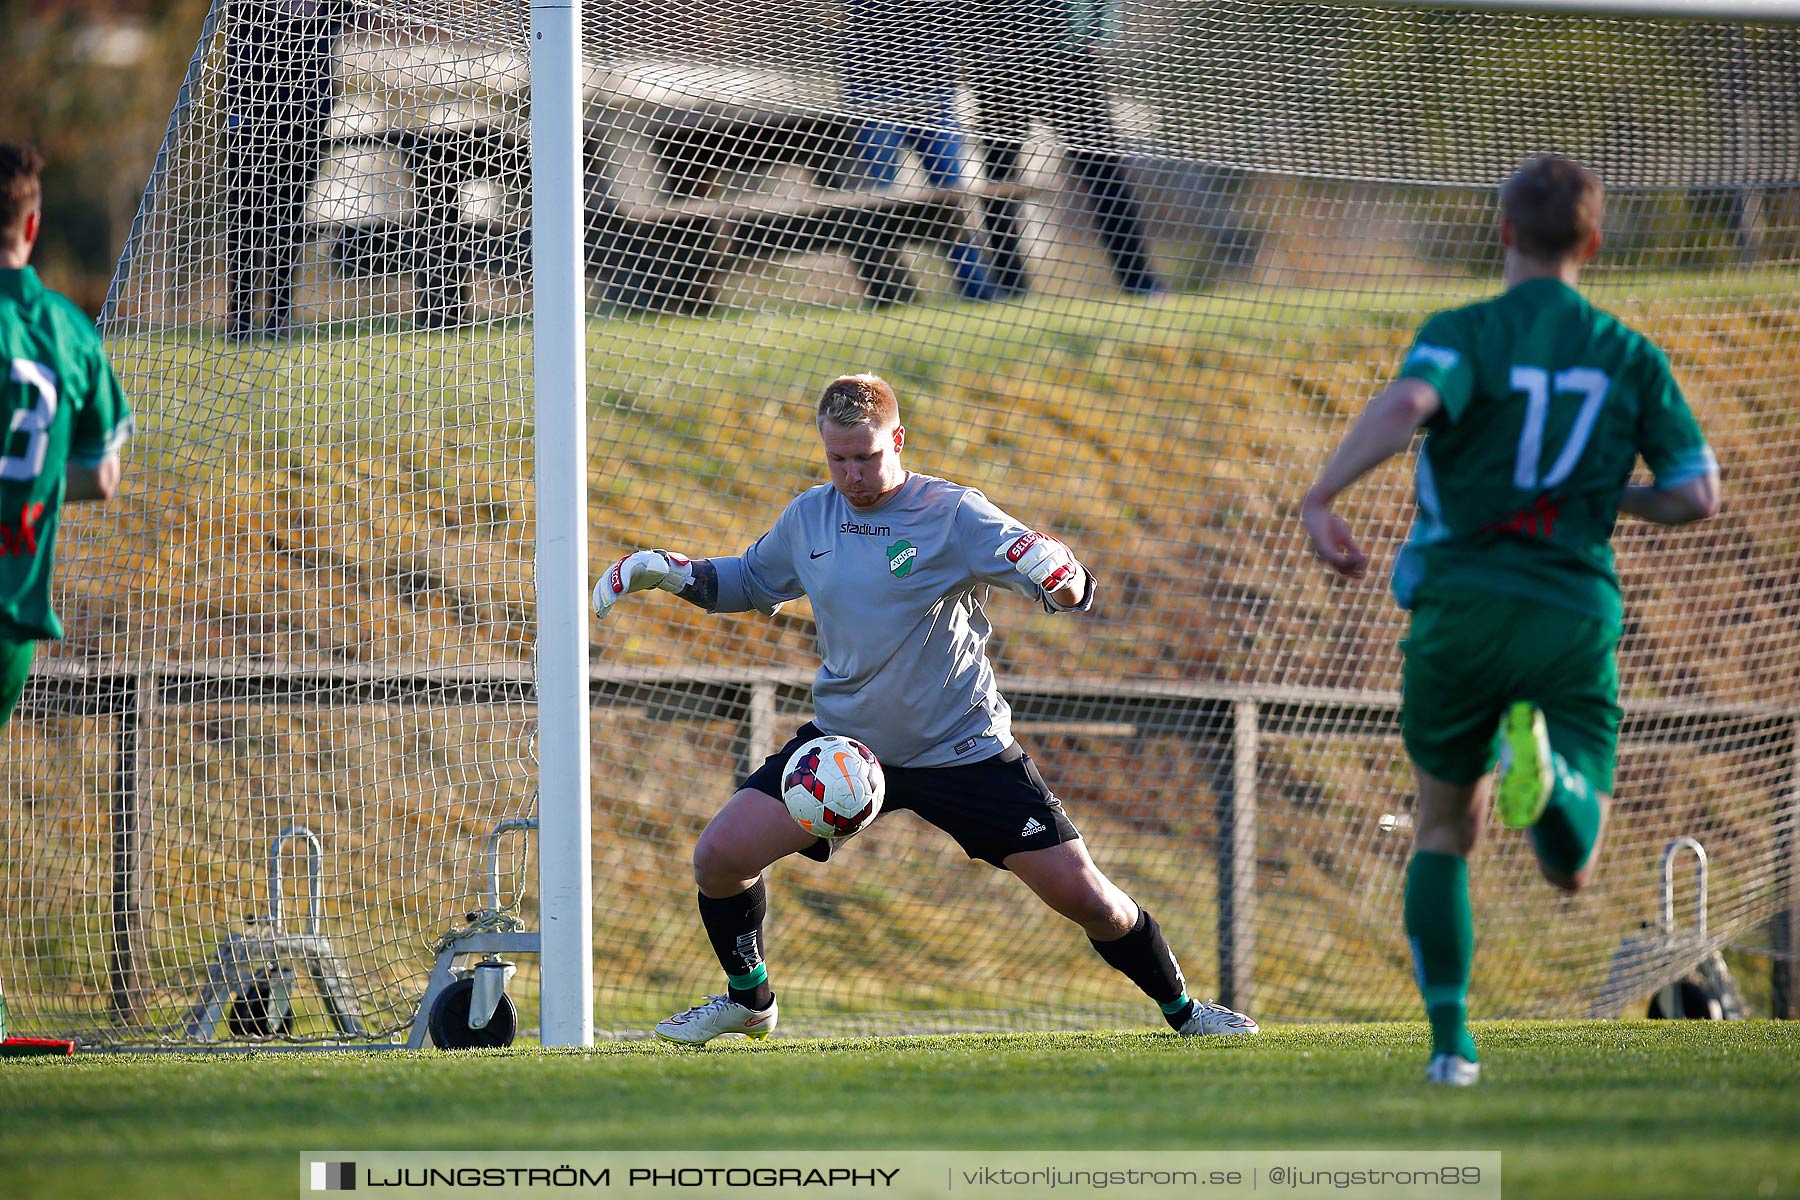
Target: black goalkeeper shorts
x,y
992,808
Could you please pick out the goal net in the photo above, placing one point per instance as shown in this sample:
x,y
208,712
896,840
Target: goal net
x,y
1132,267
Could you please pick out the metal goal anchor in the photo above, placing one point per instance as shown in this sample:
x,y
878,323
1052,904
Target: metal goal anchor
x,y
467,1007
1709,993
1704,990
251,981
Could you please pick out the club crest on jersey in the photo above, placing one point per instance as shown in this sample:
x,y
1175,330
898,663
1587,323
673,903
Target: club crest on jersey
x,y
901,556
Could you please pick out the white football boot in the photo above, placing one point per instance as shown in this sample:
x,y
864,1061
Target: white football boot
x,y
1207,1019
719,1015
1453,1070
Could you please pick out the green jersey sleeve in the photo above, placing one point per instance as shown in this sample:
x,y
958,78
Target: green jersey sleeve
x,y
1440,357
1669,438
103,418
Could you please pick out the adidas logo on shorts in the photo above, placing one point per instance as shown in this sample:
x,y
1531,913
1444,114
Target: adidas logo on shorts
x,y
1033,827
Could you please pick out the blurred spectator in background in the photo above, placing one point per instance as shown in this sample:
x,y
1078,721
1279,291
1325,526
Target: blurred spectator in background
x,y
1041,59
900,74
278,88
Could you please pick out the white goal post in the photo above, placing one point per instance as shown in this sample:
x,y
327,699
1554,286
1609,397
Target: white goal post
x,y
559,303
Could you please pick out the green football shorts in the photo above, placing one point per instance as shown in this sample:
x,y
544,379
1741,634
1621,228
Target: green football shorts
x,y
15,669
1468,656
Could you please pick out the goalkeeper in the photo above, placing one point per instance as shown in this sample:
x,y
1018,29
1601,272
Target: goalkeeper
x,y
1535,406
897,566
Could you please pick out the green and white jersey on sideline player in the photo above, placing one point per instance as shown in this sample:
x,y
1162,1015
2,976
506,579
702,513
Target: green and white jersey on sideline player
x,y
897,594
1547,404
59,403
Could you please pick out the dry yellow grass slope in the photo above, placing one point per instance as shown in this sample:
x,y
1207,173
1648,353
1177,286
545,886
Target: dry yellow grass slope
x,y
386,525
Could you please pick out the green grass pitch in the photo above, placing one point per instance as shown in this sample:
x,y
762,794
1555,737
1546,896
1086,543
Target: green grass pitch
x,y
1577,1109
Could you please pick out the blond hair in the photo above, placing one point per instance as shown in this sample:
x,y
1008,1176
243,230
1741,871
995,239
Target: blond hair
x,y
852,400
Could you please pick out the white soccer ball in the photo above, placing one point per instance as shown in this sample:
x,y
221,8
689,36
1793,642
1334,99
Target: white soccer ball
x,y
833,786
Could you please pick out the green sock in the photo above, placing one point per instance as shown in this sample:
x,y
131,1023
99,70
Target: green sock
x,y
1564,836
1442,931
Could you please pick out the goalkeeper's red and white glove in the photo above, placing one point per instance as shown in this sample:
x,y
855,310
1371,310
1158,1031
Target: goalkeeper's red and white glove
x,y
640,572
1043,560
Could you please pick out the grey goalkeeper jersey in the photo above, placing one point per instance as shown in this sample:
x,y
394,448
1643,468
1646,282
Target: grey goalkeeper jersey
x,y
897,595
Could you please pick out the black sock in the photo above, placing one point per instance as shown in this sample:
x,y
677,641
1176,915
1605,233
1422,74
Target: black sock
x,y
734,925
1144,957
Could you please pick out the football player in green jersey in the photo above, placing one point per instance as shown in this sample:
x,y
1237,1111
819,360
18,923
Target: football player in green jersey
x,y
1536,407
64,420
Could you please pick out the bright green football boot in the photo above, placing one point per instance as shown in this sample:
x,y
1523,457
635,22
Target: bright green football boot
x,y
1525,771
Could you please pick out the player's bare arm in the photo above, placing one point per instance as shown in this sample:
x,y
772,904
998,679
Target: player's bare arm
x,y
1385,429
1681,504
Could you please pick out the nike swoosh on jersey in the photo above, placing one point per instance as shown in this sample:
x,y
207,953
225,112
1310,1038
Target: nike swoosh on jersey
x,y
818,553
